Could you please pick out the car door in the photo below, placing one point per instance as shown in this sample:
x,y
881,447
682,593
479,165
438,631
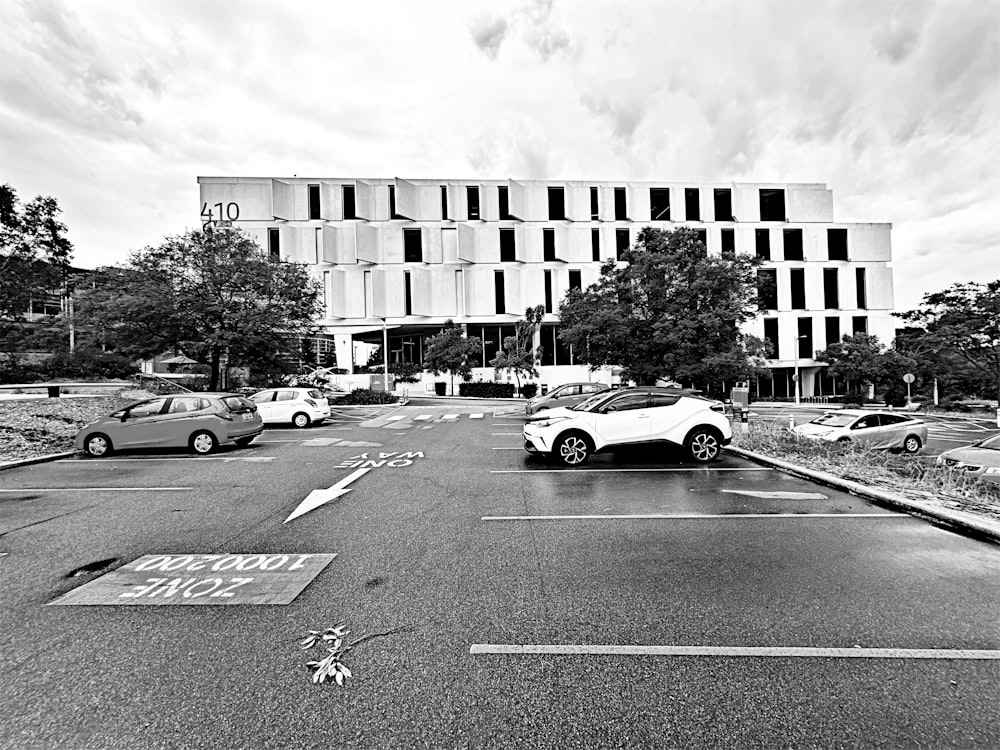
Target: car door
x,y
865,429
265,405
286,403
892,431
664,415
624,419
183,417
142,425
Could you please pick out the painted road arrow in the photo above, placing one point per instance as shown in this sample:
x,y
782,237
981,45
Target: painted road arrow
x,y
317,498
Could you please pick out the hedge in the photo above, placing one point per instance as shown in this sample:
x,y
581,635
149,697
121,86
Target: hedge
x,y
486,390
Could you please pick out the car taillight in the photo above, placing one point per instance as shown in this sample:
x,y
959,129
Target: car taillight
x,y
226,414
310,402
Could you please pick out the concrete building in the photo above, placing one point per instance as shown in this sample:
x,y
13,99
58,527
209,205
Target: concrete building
x,y
409,254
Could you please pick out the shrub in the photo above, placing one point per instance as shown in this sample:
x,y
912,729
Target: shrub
x,y
440,388
366,396
486,390
88,364
854,398
529,390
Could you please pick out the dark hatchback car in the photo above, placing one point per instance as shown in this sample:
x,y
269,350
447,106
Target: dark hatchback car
x,y
200,422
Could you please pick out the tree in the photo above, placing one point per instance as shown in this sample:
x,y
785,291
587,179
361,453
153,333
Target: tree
x,y
214,295
517,355
34,261
963,322
451,351
670,312
861,359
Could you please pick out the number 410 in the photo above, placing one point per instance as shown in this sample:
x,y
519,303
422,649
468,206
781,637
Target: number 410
x,y
232,211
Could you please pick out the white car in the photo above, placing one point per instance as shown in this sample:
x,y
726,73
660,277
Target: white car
x,y
298,406
981,459
629,416
876,429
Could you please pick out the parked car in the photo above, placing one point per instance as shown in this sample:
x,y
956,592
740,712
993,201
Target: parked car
x,y
199,421
298,406
876,429
629,416
566,394
981,459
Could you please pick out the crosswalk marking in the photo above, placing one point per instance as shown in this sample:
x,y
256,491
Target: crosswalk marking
x,y
423,417
475,416
395,418
449,417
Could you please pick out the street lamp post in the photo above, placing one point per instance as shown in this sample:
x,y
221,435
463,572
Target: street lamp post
x,y
796,376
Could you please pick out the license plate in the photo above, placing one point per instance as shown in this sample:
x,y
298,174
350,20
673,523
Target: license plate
x,y
247,417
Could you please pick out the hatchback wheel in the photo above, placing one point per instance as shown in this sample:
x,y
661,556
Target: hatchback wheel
x,y
703,446
97,445
203,442
572,449
912,444
300,420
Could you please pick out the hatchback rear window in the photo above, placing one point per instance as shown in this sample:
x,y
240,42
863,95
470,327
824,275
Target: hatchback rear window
x,y
315,394
238,403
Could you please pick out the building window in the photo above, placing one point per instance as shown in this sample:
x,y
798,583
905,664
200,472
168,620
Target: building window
x,y
798,289
472,195
621,243
771,337
659,204
508,250
548,291
703,237
692,204
407,294
575,281
621,206
392,203
763,240
554,351
832,330
594,213
859,274
444,203
723,204
548,244
767,289
498,291
793,244
859,324
412,250
350,212
595,244
557,204
314,202
772,205
805,339
836,244
273,244
831,291
729,243
503,197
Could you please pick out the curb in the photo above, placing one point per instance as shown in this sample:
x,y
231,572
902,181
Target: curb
x,y
955,520
35,460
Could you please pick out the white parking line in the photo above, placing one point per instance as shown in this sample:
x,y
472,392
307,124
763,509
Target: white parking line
x,y
423,417
395,418
495,434
475,416
100,489
691,516
515,448
619,471
251,459
738,651
448,417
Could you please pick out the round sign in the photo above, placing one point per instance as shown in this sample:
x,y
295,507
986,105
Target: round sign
x,y
908,378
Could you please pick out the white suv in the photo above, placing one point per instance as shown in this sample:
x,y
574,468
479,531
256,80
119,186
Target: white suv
x,y
299,406
626,417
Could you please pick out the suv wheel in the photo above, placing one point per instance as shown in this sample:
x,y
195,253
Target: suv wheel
x,y
702,445
572,449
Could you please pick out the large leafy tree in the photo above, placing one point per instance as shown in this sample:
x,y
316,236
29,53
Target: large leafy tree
x,y
214,295
34,260
452,352
961,324
863,360
670,311
518,354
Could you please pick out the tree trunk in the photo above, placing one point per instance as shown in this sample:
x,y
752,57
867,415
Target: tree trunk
x,y
213,383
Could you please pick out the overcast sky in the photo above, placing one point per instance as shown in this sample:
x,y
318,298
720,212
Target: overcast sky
x,y
116,107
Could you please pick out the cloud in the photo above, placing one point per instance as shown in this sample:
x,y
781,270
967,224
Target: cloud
x,y
534,25
488,33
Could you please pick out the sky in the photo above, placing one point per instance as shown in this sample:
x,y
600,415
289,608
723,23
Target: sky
x,y
115,108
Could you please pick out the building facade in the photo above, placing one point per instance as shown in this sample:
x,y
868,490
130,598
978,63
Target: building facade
x,y
399,257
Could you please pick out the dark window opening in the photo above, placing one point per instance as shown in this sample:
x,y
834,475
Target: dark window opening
x,y
729,242
392,203
548,244
621,207
862,291
793,244
724,204
767,289
499,292
692,204
492,338
444,203
548,291
798,289
593,204
472,194
273,244
557,203
772,205
595,244
575,281
831,290
313,202
350,212
836,243
503,196
621,243
763,240
771,337
703,237
832,331
407,294
412,250
554,351
508,250
659,204
859,324
805,339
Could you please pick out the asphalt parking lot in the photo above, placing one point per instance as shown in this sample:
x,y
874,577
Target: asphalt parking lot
x,y
637,601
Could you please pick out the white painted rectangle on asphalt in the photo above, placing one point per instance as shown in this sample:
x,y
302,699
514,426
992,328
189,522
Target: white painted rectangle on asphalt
x,y
423,417
475,416
736,651
448,417
395,418
101,489
692,516
623,471
197,579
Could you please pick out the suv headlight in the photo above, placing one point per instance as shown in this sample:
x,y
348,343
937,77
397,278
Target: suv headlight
x,y
548,421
